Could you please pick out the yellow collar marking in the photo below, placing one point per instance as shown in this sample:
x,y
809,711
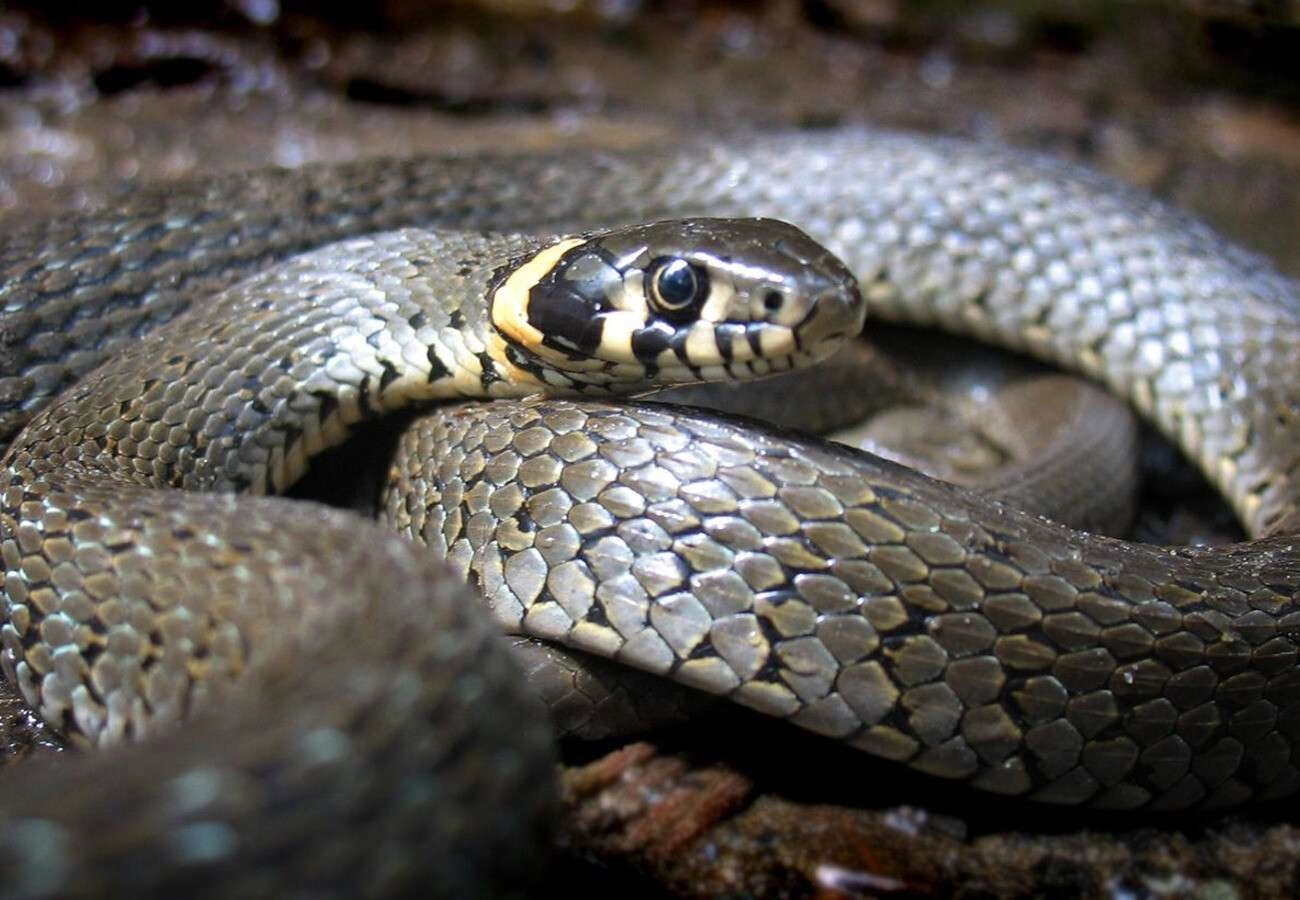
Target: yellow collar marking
x,y
510,300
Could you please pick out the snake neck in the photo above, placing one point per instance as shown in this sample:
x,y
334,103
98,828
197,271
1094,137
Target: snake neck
x,y
241,391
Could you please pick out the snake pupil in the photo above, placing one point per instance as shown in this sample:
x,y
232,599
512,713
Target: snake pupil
x,y
676,285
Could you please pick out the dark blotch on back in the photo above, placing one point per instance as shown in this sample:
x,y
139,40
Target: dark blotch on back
x,y
437,369
490,374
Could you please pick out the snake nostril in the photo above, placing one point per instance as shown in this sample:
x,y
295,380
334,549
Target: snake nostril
x,y
773,301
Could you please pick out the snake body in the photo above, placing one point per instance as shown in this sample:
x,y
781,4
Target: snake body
x,y
1037,439
915,620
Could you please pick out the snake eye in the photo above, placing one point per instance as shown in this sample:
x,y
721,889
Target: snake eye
x,y
676,286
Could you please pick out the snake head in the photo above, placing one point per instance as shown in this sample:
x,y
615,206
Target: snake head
x,y
677,301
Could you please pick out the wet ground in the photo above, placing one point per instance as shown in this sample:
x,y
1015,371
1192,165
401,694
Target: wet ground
x,y
1196,101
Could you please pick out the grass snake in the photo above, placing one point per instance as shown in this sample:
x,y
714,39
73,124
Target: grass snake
x,y
916,620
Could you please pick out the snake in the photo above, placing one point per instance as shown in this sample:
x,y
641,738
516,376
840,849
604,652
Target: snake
x,y
356,728
1038,439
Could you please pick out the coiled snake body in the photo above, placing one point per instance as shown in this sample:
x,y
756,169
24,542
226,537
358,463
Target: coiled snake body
x,y
915,620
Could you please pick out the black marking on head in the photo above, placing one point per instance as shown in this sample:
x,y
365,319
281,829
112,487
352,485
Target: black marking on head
x,y
649,342
677,341
567,322
567,303
490,374
437,368
724,336
418,319
456,319
521,359
388,376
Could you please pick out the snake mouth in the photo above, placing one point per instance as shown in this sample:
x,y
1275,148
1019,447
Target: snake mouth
x,y
762,352
756,368
750,369
737,369
824,345
833,319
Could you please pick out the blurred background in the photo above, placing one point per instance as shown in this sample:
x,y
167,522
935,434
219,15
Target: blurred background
x,y
1195,100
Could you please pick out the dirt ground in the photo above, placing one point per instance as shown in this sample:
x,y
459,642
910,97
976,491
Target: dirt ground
x,y
1196,101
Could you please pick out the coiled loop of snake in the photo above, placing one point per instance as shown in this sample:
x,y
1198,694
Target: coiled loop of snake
x,y
917,621
141,592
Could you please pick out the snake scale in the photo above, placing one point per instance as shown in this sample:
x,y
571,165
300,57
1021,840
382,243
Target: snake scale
x,y
915,620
